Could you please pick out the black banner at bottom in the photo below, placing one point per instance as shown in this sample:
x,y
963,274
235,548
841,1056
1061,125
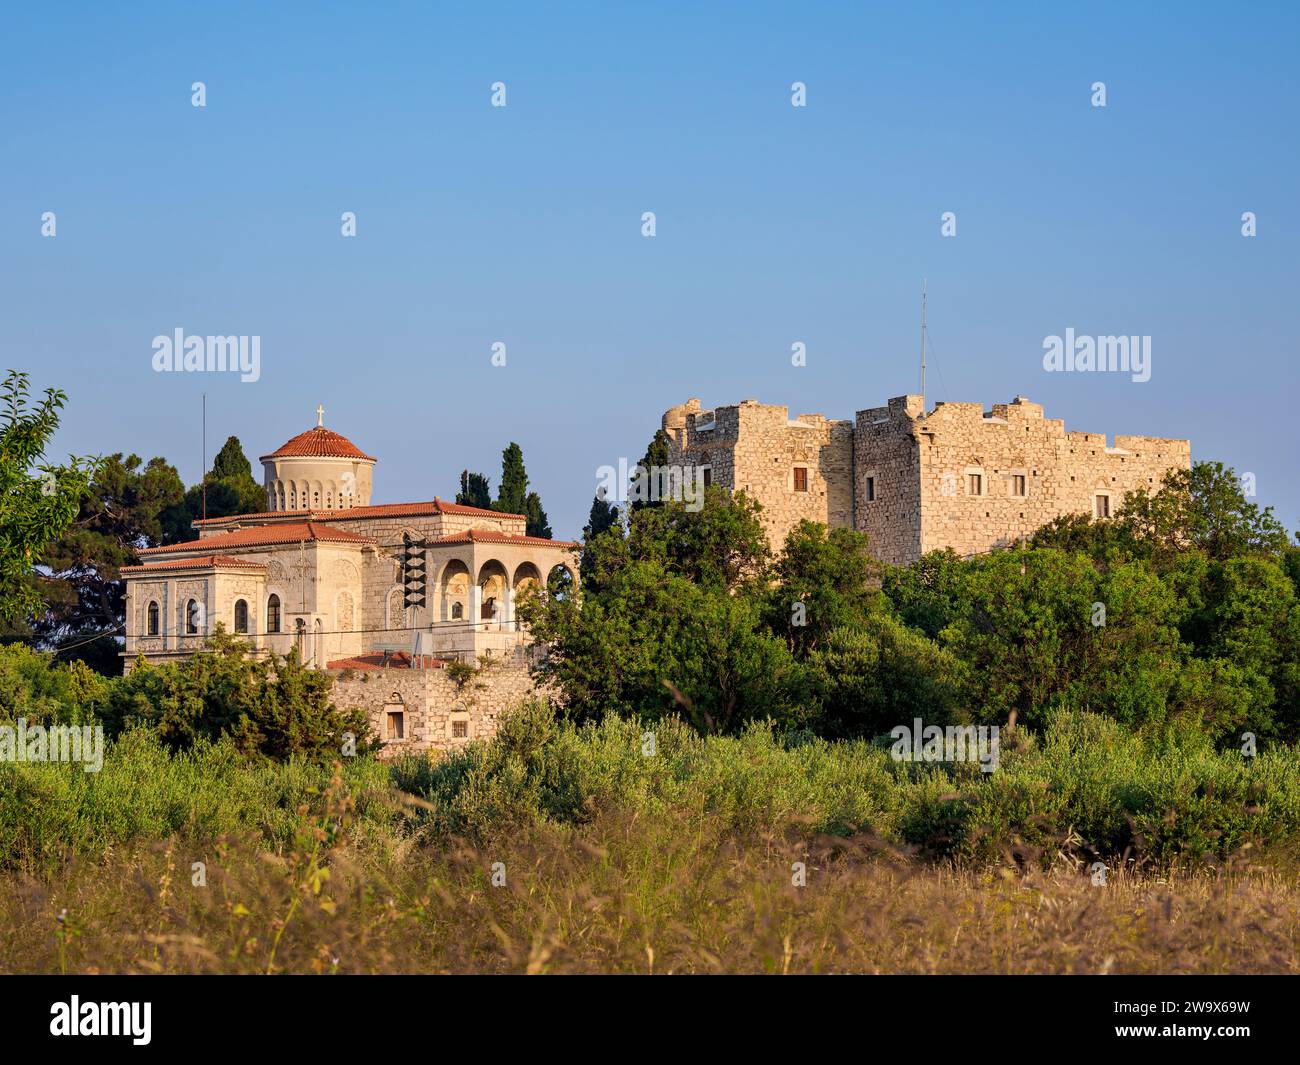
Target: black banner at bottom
x,y
145,1014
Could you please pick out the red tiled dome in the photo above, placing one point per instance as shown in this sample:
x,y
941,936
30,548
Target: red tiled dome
x,y
319,442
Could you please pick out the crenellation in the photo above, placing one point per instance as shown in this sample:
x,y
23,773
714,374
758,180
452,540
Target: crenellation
x,y
797,468
955,477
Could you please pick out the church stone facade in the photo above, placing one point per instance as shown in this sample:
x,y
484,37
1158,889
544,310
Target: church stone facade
x,y
917,481
321,571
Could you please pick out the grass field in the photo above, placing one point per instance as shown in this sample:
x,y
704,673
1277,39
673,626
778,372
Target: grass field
x,y
555,849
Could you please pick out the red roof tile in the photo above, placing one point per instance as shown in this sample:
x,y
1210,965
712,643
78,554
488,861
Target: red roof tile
x,y
193,563
383,660
382,510
262,535
487,536
319,442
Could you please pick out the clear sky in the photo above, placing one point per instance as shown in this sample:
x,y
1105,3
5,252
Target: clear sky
x,y
522,224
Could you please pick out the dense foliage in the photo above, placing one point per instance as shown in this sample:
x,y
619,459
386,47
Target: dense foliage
x,y
1085,788
273,707
1181,614
38,499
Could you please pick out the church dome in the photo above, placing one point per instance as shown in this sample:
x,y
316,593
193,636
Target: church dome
x,y
317,470
319,443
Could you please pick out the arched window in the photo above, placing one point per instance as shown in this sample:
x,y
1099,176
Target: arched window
x,y
153,619
293,499
273,614
192,618
329,500
457,611
241,615
299,635
489,611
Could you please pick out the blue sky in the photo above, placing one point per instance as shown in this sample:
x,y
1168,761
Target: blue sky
x,y
522,224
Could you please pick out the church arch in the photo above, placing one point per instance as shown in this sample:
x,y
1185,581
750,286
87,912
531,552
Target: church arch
x,y
453,589
394,610
344,613
561,581
492,583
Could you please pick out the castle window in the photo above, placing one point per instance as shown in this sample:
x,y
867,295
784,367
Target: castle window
x,y
459,730
489,609
1101,505
457,611
394,725
1018,485
975,483
273,614
871,489
152,622
241,615
191,618
708,476
801,478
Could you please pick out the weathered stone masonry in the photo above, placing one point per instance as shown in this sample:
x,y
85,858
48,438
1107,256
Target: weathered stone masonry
x,y
915,481
420,709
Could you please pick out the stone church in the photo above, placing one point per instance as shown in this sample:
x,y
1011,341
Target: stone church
x,y
915,480
322,570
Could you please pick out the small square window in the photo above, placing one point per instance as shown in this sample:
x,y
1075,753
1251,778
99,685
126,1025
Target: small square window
x,y
459,730
800,479
396,725
871,489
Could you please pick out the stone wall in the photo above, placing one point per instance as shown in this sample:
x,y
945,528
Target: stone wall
x,y
760,450
989,480
887,494
432,703
916,482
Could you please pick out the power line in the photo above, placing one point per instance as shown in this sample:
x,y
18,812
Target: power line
x,y
435,627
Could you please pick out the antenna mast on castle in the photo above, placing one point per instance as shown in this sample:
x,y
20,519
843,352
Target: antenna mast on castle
x,y
923,288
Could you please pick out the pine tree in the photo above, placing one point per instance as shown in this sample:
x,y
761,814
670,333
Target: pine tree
x,y
603,516
474,491
656,455
231,462
512,496
538,525
231,489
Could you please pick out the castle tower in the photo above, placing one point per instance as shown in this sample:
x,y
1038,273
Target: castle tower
x,y
317,470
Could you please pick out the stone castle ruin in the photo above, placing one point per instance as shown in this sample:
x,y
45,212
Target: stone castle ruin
x,y
915,481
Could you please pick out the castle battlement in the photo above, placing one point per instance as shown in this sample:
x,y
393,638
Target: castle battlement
x,y
915,480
